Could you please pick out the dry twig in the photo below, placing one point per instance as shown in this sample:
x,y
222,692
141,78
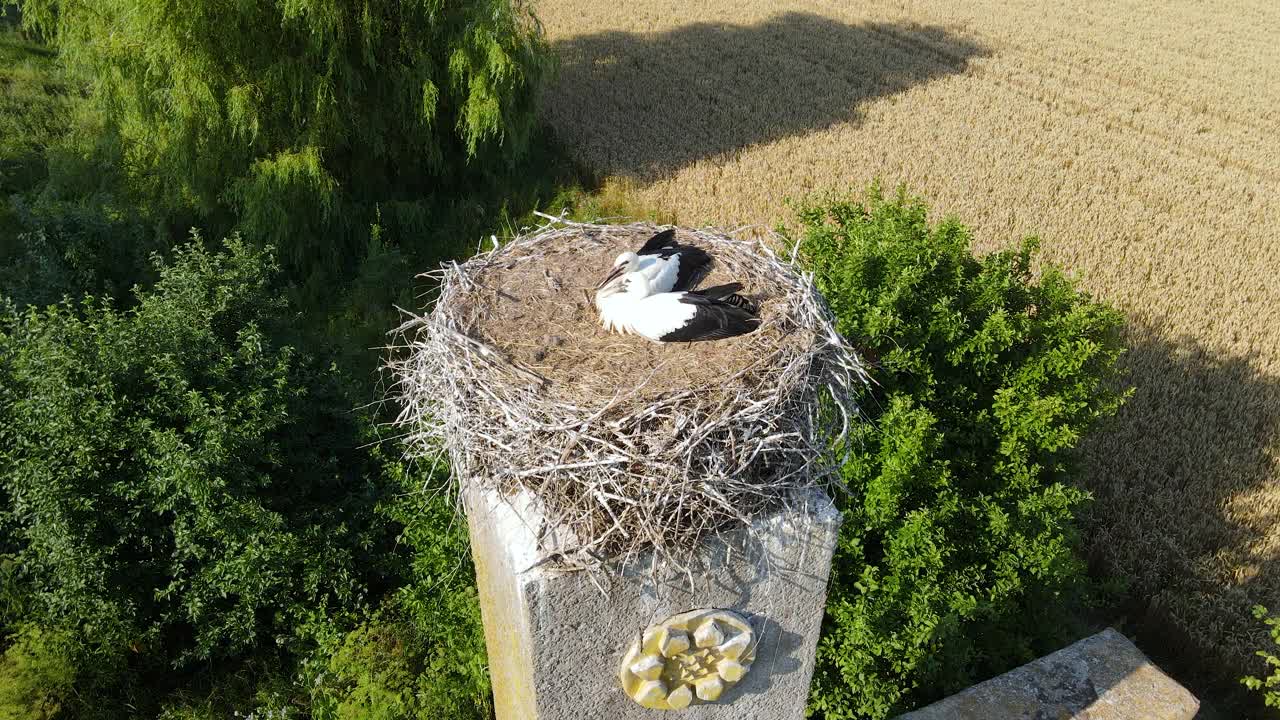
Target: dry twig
x,y
647,466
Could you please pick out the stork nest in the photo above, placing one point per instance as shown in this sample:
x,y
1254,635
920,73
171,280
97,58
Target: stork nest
x,y
630,446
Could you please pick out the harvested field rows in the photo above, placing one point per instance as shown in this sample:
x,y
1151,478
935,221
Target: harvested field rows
x,y
1141,140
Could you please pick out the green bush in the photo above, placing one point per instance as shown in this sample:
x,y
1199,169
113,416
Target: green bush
x,y
37,675
386,669
74,249
259,687
63,229
423,655
1268,686
181,487
958,554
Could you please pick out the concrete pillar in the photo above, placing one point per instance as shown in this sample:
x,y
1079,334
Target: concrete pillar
x,y
733,639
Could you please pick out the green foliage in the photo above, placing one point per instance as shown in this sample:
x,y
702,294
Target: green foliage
x,y
35,105
957,557
612,198
259,687
362,314
34,111
37,675
441,600
299,116
74,248
423,655
373,674
1269,686
62,230
386,669
190,501
180,486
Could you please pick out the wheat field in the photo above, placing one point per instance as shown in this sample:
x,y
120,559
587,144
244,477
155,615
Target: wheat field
x,y
1140,140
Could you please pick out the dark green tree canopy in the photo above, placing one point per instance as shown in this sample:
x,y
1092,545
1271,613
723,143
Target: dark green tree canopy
x,y
289,114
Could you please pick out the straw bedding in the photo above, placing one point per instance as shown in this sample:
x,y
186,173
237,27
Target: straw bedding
x,y
629,445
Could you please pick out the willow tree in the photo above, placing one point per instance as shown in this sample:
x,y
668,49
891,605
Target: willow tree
x,y
297,117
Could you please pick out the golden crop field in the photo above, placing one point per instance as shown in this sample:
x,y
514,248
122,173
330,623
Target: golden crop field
x,y
1139,139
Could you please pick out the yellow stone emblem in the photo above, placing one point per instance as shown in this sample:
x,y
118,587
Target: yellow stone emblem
x,y
690,658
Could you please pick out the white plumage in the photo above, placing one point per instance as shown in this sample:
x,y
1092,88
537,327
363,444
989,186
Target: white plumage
x,y
661,272
614,309
636,311
665,263
688,316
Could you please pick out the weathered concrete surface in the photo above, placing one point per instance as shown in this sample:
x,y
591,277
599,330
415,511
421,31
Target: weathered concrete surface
x,y
556,641
1103,677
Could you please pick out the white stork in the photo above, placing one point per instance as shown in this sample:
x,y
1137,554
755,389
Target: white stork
x,y
667,264
689,316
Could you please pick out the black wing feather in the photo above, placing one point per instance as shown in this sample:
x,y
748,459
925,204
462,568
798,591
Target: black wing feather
x,y
718,292
657,242
695,263
728,293
713,319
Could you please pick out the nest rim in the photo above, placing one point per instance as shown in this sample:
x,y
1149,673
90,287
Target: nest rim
x,y
631,474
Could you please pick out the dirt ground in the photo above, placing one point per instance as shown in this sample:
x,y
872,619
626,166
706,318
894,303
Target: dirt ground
x,y
1140,140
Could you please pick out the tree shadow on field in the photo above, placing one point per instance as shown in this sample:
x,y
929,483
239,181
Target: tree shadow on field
x,y
1186,481
642,105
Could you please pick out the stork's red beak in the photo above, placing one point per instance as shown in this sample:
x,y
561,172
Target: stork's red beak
x,y
614,274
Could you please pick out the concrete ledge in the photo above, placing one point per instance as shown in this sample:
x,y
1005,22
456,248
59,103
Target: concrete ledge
x,y
1103,677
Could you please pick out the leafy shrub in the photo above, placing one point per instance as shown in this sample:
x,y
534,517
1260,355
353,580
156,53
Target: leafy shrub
x,y
423,655
1268,686
74,249
180,486
37,675
386,670
958,554
66,227
259,687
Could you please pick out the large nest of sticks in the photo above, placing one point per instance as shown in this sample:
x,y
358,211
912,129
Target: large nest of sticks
x,y
627,445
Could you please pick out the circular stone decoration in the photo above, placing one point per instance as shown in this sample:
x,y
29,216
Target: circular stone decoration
x,y
690,658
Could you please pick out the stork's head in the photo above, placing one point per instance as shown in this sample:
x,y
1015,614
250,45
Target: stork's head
x,y
613,282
